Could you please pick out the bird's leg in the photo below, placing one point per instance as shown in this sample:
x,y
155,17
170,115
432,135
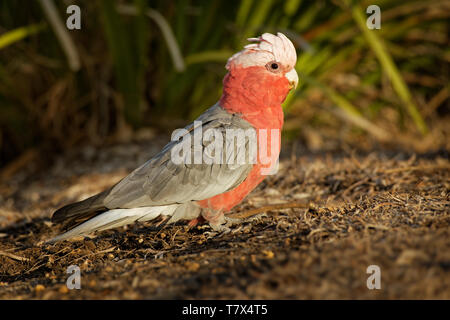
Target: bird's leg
x,y
217,221
219,227
192,223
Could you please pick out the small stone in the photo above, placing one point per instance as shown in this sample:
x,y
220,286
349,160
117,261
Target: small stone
x,y
268,254
109,269
39,288
63,289
409,257
192,266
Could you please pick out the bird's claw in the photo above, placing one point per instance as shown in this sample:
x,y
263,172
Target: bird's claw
x,y
217,232
222,227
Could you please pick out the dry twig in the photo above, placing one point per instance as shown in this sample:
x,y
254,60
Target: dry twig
x,y
253,212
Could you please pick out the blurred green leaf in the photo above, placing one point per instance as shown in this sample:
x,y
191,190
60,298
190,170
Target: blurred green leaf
x,y
18,34
390,68
243,12
291,7
208,56
348,110
125,62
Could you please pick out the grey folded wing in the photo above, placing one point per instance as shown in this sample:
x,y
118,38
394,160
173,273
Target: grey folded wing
x,y
161,181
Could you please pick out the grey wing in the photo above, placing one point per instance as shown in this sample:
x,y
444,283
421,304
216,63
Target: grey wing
x,y
160,181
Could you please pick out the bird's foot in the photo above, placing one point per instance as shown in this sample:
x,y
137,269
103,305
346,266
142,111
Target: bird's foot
x,y
223,226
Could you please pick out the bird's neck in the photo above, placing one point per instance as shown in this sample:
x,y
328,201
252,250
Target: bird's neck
x,y
255,95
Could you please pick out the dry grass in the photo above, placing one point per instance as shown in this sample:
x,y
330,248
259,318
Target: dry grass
x,y
328,218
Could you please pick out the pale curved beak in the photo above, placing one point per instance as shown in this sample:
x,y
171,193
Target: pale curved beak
x,y
292,76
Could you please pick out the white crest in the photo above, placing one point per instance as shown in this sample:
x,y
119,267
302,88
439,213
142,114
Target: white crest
x,y
268,48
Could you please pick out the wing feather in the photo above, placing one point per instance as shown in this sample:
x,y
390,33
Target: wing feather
x,y
162,182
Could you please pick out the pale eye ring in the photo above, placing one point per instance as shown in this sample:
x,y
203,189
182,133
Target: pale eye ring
x,y
273,66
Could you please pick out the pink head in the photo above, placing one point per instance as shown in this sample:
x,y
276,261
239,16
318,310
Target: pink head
x,y
261,75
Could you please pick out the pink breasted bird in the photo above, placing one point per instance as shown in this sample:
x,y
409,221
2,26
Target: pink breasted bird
x,y
258,81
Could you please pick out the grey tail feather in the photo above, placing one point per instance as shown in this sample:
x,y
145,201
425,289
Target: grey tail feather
x,y
113,219
75,213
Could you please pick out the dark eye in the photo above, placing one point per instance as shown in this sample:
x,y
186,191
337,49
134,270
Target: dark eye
x,y
273,66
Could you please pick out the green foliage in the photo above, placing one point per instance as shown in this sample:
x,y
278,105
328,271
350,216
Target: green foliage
x,y
128,47
165,62
18,34
389,67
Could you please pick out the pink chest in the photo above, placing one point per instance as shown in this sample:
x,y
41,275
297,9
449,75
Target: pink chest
x,y
227,200
256,96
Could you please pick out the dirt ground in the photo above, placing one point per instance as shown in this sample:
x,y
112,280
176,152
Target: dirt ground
x,y
340,213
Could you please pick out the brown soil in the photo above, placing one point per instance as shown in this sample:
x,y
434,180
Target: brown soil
x,y
345,212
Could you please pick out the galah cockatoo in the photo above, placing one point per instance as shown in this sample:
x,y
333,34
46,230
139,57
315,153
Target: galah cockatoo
x,y
258,80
